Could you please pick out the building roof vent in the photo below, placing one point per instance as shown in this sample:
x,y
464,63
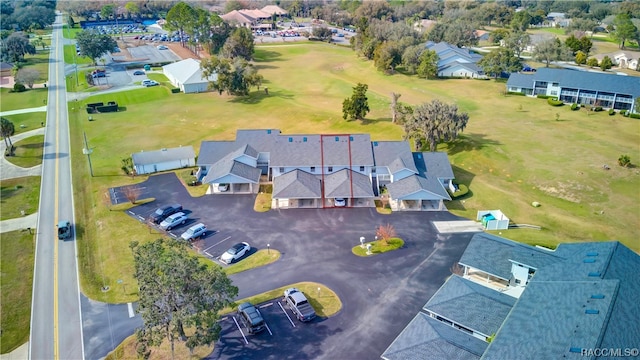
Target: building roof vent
x,y
597,296
592,311
587,261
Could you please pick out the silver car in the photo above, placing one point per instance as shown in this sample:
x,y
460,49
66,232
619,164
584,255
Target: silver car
x,y
194,232
173,221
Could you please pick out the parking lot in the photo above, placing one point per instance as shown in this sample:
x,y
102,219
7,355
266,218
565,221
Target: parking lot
x,y
379,294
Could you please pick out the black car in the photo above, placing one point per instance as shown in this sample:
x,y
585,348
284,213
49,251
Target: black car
x,y
161,213
250,318
138,72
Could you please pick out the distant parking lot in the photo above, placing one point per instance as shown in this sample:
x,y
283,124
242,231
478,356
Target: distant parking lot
x,y
151,54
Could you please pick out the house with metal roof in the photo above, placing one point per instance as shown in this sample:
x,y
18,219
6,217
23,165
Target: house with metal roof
x,y
313,171
456,62
187,76
579,87
578,297
148,162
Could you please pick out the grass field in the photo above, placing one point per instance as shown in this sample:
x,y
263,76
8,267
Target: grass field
x,y
27,121
28,99
70,56
40,62
17,250
20,194
28,152
512,152
70,33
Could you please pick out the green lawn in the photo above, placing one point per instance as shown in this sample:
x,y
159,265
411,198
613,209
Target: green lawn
x,y
512,152
17,250
260,258
377,247
20,194
70,55
28,152
28,99
70,33
27,121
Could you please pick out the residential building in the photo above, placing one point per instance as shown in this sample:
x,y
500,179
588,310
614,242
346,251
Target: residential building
x,y
622,59
515,301
579,87
254,19
148,162
456,62
312,170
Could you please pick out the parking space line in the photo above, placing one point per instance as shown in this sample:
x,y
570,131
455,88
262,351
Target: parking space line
x,y
238,325
218,243
265,323
288,317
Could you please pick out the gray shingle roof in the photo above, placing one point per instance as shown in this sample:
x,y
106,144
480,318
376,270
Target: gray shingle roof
x,y
164,155
297,184
339,185
228,166
429,339
472,305
314,150
416,187
434,164
491,254
584,80
260,139
396,155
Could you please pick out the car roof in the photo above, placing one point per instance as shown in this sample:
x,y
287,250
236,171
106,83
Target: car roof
x,y
63,223
196,226
238,246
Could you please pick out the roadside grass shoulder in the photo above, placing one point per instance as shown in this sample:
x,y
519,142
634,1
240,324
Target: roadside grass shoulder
x,y
70,55
127,350
28,99
28,152
27,121
19,194
17,253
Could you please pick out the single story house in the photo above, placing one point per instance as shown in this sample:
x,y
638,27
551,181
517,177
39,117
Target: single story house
x,y
456,62
622,59
147,162
579,87
187,75
318,171
515,301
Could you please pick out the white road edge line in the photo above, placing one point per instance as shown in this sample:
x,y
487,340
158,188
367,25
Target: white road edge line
x,y
218,243
130,308
292,324
238,325
265,323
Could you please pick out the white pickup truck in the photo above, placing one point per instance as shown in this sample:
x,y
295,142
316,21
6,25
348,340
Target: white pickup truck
x,y
299,304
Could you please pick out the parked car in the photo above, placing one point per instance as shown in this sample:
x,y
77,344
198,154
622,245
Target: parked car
x,y
148,83
162,47
64,230
138,72
194,232
236,252
99,75
340,202
161,213
299,304
174,220
223,187
250,318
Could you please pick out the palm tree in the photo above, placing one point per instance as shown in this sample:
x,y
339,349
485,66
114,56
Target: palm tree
x,y
6,130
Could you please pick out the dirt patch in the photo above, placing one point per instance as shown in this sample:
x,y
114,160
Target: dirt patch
x,y
569,191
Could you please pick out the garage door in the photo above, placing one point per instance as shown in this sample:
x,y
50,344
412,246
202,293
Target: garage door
x,y
283,203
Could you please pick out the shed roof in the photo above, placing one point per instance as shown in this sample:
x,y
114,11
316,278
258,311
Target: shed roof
x,y
188,71
340,184
163,155
297,184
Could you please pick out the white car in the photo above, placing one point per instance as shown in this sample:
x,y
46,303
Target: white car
x,y
173,221
194,232
223,187
148,83
339,202
236,252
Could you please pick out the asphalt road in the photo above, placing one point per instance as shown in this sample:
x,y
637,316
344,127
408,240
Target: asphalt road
x,y
56,331
380,294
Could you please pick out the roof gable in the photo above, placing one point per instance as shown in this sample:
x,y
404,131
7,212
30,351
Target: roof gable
x,y
416,187
395,155
347,184
296,184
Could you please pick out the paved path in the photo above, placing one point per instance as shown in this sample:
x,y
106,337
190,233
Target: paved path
x,y
21,353
20,223
9,170
24,111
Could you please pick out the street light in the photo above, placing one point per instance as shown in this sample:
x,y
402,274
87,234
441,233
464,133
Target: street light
x,y
268,251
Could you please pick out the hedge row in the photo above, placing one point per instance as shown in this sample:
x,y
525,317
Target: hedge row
x,y
554,102
515,93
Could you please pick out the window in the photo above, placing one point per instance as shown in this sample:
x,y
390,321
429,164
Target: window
x,y
313,169
555,84
361,168
281,170
330,168
554,92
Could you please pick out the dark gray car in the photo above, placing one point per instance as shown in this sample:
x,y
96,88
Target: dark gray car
x,y
162,212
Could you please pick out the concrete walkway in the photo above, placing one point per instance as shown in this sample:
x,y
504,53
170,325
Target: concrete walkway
x,y
24,111
21,223
21,353
10,171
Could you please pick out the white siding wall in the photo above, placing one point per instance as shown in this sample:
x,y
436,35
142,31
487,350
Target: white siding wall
x,y
163,166
194,88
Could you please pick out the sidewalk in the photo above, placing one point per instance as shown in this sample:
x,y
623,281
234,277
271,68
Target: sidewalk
x,y
10,171
21,223
21,353
24,111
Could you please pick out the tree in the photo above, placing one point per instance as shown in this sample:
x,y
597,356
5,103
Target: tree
x,y
239,44
606,63
411,58
394,106
551,50
94,45
70,22
108,11
27,76
385,232
178,292
498,61
581,58
132,193
6,130
435,122
624,29
179,18
322,33
387,56
592,62
16,46
428,67
521,21
132,9
357,106
234,76
219,33
517,41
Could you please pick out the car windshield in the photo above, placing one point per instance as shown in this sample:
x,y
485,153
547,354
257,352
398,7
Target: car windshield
x,y
160,211
190,231
232,251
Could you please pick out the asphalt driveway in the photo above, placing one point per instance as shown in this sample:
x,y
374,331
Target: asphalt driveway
x,y
380,294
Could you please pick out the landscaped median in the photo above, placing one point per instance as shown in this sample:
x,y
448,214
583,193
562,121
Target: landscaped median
x,y
378,247
324,301
260,258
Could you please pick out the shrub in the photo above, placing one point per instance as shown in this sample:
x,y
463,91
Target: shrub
x,y
175,90
515,93
17,87
543,96
597,108
554,102
634,116
612,112
575,107
624,160
462,191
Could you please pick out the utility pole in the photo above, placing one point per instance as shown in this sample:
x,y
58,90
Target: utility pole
x,y
87,151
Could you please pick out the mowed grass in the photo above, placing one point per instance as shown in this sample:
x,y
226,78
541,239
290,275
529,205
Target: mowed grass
x,y
40,62
70,56
28,152
17,250
19,194
512,152
23,100
27,121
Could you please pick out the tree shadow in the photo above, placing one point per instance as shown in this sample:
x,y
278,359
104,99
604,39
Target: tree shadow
x,y
367,121
34,146
257,96
465,177
469,142
262,67
262,55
